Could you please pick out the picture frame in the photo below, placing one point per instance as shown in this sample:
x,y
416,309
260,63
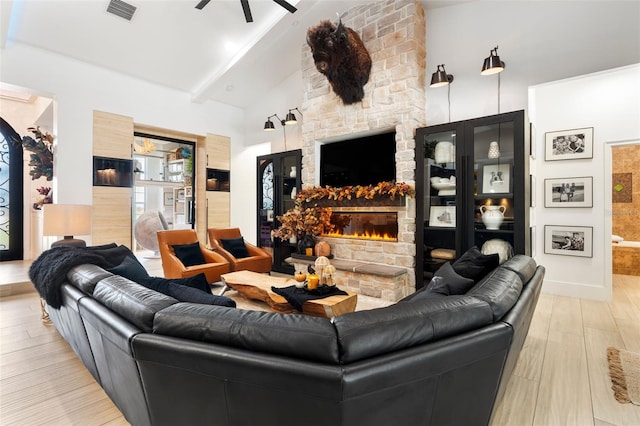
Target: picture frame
x,y
442,216
532,240
532,141
568,240
572,144
494,178
568,192
532,191
269,215
168,198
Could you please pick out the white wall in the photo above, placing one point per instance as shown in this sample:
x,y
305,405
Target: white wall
x,y
79,88
539,41
609,102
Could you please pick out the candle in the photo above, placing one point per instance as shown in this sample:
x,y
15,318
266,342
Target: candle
x,y
308,251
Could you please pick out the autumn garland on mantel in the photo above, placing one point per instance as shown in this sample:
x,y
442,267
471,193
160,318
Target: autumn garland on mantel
x,y
308,219
369,192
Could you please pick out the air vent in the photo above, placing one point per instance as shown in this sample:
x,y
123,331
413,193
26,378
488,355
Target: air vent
x,y
121,9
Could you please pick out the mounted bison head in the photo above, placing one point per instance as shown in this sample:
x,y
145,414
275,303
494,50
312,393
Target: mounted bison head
x,y
339,54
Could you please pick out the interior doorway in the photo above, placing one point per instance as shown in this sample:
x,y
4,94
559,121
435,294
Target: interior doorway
x,y
622,201
163,189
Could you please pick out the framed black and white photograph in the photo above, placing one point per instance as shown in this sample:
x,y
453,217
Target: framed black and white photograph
x,y
270,215
569,144
494,178
533,141
568,192
442,216
532,190
532,240
568,240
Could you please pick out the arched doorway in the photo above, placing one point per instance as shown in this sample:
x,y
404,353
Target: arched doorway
x,y
11,194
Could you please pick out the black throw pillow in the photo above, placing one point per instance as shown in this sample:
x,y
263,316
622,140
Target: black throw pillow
x,y
132,269
235,246
176,289
197,281
447,282
475,265
192,295
189,254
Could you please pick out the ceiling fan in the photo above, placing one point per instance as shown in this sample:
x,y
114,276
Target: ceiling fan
x,y
247,10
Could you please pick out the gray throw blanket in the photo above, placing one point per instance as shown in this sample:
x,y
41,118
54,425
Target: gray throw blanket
x,y
49,270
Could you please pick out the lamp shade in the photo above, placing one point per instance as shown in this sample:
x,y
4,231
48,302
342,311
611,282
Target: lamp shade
x,y
440,77
268,126
290,119
66,220
492,64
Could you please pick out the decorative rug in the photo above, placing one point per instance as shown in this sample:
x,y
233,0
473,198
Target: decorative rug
x,y
624,370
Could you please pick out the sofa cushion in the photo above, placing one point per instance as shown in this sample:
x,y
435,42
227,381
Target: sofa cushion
x,y
475,265
298,336
132,301
235,246
364,334
86,276
500,289
130,268
522,265
189,254
447,282
187,290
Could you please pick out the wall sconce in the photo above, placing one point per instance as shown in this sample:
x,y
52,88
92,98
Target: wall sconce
x,y
66,220
492,64
289,120
440,77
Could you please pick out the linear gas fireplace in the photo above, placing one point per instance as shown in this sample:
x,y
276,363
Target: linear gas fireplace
x,y
377,226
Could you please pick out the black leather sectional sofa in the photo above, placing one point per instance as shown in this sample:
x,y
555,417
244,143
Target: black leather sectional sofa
x,y
421,361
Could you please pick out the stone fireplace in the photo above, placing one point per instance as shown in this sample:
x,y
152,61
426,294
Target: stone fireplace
x,y
394,34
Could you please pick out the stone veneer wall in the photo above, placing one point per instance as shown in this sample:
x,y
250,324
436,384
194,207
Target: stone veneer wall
x,y
394,34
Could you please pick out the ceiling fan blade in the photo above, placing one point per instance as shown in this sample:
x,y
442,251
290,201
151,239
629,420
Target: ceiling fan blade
x,y
247,10
202,4
286,5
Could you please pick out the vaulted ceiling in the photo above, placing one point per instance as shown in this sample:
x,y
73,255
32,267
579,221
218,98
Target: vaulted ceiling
x,y
211,54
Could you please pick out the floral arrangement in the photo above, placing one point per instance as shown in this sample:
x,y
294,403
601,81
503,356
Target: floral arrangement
x,y
369,192
300,221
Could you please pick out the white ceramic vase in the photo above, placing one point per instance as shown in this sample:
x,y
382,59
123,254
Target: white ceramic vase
x,y
492,216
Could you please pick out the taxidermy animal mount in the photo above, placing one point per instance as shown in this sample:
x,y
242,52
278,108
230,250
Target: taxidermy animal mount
x,y
340,55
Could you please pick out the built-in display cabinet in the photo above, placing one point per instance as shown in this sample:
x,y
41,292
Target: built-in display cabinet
x,y
278,182
473,186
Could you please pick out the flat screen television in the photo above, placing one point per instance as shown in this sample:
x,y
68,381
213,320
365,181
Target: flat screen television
x,y
363,161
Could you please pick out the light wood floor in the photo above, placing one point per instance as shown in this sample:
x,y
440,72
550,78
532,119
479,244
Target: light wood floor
x,y
561,377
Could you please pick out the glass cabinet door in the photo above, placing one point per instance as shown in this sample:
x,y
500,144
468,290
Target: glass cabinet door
x,y
493,183
442,189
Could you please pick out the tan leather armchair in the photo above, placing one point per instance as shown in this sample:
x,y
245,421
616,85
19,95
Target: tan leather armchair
x,y
215,265
258,260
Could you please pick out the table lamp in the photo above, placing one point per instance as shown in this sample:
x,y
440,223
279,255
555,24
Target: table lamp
x,y
67,220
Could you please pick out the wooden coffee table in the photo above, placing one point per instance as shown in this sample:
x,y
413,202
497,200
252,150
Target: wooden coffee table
x,y
253,285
